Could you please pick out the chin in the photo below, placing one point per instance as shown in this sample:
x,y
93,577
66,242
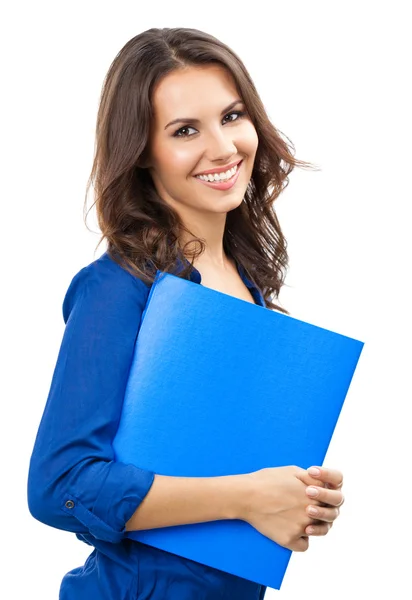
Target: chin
x,y
229,204
236,204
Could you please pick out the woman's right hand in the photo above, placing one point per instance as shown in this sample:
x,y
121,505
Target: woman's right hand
x,y
277,505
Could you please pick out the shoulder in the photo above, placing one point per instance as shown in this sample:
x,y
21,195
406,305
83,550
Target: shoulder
x,y
104,282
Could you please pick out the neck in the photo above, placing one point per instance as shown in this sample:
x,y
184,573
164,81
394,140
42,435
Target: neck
x,y
211,232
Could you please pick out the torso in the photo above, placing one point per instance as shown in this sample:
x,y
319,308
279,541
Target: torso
x,y
229,282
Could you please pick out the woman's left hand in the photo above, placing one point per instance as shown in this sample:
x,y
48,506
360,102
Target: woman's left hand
x,y
327,498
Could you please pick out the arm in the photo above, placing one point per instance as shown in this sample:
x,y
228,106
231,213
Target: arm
x,y
74,482
184,500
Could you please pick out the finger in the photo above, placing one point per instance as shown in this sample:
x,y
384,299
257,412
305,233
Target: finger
x,y
318,530
307,479
325,495
331,477
323,513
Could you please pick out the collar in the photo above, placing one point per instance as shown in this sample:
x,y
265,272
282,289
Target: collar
x,y
196,277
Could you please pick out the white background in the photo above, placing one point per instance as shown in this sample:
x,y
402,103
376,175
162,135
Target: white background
x,y
334,77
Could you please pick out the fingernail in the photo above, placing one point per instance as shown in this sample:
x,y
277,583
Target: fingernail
x,y
312,510
311,491
314,471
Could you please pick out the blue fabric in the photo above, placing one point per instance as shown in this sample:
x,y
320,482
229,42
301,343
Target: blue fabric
x,y
75,484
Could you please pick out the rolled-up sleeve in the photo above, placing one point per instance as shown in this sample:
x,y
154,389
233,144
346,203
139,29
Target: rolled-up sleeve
x,y
74,482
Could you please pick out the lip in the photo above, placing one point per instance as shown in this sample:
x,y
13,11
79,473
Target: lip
x,y
219,170
223,185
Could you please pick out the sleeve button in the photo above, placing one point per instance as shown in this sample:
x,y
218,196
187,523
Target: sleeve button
x,y
69,504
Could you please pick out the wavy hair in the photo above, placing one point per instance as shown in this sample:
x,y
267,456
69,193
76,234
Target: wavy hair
x,y
143,231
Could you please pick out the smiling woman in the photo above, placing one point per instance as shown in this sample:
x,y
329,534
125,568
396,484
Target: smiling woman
x,y
168,188
177,103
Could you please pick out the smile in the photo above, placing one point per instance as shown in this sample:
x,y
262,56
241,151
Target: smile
x,y
221,181
225,176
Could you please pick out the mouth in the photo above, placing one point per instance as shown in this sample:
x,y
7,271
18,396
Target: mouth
x,y
221,181
208,174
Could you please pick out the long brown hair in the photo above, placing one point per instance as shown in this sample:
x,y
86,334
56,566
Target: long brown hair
x,y
141,229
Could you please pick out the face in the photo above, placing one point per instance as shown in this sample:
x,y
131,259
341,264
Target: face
x,y
200,124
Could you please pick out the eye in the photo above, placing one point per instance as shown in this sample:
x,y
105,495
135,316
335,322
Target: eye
x,y
239,114
176,134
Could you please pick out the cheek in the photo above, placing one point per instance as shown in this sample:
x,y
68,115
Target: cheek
x,y
179,161
250,140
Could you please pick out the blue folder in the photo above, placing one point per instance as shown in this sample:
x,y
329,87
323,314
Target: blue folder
x,y
221,386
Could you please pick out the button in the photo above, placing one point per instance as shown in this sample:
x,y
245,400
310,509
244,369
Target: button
x,y
69,504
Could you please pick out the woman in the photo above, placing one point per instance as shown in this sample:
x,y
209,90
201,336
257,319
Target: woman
x,y
187,166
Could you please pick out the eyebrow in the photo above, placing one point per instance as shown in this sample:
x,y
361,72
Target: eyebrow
x,y
192,120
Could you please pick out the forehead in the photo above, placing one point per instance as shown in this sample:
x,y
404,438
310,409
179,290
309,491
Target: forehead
x,y
190,91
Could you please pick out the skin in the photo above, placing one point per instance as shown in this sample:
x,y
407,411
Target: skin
x,y
215,141
326,498
175,154
279,502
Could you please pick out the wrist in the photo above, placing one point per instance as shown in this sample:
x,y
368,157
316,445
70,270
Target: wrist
x,y
241,487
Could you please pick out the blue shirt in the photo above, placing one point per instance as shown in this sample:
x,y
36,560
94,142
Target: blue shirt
x,y
75,484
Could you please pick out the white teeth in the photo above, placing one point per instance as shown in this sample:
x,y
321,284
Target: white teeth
x,y
219,176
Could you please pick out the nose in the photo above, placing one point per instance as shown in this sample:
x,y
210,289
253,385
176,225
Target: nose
x,y
220,146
